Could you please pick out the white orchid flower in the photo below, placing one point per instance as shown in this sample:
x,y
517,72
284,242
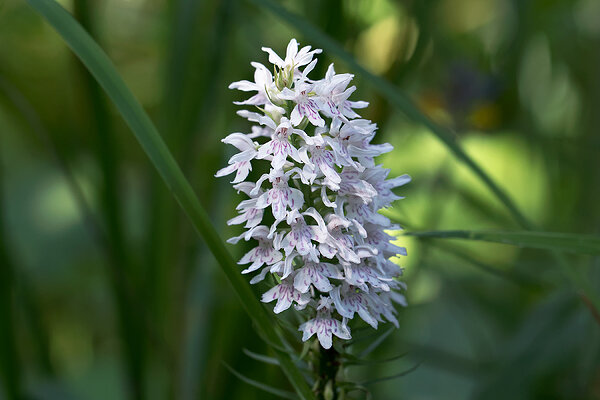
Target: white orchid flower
x,y
327,245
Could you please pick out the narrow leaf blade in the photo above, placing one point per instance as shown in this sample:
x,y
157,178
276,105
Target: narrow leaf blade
x,y
284,394
397,98
100,66
566,242
261,357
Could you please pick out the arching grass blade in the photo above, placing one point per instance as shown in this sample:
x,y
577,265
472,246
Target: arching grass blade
x,y
100,66
566,242
396,97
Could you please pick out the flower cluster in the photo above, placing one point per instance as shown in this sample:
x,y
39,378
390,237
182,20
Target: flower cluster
x,y
325,242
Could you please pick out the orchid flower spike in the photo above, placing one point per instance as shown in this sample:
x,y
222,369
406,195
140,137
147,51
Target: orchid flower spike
x,y
314,216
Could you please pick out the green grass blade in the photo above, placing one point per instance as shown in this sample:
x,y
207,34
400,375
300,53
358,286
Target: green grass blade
x,y
106,152
396,97
391,377
514,276
100,66
375,343
350,360
574,275
283,394
565,242
556,243
10,364
261,357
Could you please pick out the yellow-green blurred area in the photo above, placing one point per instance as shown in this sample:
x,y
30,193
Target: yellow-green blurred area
x,y
107,292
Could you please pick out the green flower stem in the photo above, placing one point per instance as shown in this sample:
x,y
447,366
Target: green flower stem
x,y
328,367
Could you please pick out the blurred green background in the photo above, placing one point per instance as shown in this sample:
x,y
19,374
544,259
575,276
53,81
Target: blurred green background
x,y
106,292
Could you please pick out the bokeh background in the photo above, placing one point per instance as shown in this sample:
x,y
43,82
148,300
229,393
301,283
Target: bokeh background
x,y
106,291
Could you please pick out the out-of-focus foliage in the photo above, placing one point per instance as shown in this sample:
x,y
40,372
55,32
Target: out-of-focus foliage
x,y
121,300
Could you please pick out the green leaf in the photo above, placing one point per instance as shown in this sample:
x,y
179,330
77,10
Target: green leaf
x,y
261,357
284,394
352,360
376,343
571,243
566,242
514,275
100,66
391,377
396,97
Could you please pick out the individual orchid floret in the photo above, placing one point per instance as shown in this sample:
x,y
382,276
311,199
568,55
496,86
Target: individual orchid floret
x,y
249,213
280,197
300,237
239,163
314,217
279,147
365,276
320,161
348,302
333,92
263,84
305,104
353,185
316,274
325,326
262,254
293,57
286,295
